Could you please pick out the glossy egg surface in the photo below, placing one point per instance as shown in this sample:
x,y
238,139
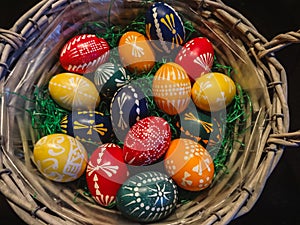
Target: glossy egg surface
x,y
147,197
73,91
189,164
60,157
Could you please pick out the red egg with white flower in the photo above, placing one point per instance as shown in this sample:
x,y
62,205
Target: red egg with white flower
x,y
196,57
84,53
106,171
147,141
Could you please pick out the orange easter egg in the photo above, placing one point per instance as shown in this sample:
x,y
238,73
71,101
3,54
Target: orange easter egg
x,y
189,164
213,91
171,88
135,52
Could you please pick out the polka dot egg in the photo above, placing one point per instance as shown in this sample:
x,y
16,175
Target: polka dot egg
x,y
189,164
171,88
147,197
213,91
60,157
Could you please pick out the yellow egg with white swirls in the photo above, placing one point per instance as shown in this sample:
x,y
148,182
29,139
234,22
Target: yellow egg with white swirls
x,y
73,91
60,157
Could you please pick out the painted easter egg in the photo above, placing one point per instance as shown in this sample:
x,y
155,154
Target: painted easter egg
x,y
73,91
147,197
164,27
213,91
202,127
171,88
189,164
109,77
60,157
135,52
88,126
196,57
105,173
128,106
83,53
147,141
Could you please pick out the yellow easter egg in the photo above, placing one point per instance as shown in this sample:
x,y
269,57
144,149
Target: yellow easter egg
x,y
171,88
135,52
213,91
60,157
73,91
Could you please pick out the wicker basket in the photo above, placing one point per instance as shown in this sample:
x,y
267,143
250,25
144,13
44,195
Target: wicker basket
x,y
27,61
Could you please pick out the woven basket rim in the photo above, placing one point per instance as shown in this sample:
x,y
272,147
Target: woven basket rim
x,y
268,137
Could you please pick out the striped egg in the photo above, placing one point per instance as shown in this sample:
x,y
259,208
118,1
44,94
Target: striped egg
x,y
164,27
73,91
136,53
83,53
128,106
189,164
147,197
171,88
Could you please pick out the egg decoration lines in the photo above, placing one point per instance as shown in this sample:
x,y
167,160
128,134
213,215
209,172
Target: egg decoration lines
x,y
135,52
73,91
88,126
60,157
164,27
189,164
171,88
109,77
83,53
128,106
213,92
200,126
196,57
146,141
105,173
147,197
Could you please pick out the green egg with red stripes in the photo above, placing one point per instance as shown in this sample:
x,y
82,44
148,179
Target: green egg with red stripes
x,y
88,126
147,197
202,127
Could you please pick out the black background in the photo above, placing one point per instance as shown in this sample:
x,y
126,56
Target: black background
x,y
279,202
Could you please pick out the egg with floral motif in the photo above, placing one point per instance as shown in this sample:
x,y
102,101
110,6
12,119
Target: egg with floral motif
x,y
213,92
106,172
73,92
147,197
60,157
189,164
171,88
135,52
83,53
164,27
147,141
196,57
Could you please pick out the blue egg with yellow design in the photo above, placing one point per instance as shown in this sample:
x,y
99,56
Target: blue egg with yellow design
x,y
202,127
164,25
88,126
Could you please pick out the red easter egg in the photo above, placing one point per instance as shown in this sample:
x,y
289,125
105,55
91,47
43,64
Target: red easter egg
x,y
105,173
196,57
84,53
146,141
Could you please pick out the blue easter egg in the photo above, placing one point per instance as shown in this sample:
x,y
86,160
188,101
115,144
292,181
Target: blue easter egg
x,y
128,106
88,126
164,25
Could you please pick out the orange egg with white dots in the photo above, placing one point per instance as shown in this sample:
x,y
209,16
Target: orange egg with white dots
x,y
171,88
189,164
213,91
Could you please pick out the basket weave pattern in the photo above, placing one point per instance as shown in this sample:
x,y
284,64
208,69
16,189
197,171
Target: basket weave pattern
x,y
236,42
